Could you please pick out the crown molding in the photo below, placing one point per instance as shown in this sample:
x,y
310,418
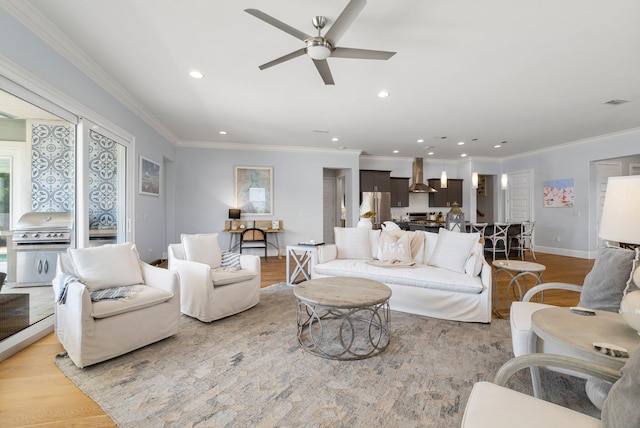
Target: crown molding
x,y
265,148
37,23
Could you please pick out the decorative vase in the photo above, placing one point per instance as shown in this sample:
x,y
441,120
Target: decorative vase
x,y
365,223
630,309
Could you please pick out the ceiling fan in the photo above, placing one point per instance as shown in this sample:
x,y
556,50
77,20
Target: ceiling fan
x,y
320,48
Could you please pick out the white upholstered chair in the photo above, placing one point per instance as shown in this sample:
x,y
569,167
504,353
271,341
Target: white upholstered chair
x,y
493,405
109,303
603,289
213,284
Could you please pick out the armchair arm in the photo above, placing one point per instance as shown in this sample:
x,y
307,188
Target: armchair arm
x,y
550,286
250,263
545,360
161,278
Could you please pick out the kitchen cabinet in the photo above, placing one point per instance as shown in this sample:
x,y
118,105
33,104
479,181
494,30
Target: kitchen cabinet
x,y
445,197
399,192
375,181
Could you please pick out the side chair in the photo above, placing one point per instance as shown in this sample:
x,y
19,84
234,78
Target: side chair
x,y
499,235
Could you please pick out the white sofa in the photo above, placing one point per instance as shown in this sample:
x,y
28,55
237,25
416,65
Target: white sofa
x,y
209,289
449,279
93,330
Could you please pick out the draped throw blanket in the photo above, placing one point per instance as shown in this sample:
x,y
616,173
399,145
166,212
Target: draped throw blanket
x,y
105,294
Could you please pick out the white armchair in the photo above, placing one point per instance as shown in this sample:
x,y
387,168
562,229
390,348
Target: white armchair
x,y
91,330
493,405
209,288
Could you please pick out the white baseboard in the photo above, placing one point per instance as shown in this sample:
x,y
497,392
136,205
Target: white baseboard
x,y
565,252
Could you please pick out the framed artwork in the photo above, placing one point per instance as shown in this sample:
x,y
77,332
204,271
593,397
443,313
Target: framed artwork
x,y
558,193
149,177
254,190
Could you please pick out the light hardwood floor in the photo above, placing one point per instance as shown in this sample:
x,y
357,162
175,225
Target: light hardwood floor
x,y
34,392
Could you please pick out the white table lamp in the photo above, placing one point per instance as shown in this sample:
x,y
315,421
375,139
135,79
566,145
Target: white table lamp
x,y
620,223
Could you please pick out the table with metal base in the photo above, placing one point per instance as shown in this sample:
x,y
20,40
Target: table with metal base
x,y
517,271
575,334
343,318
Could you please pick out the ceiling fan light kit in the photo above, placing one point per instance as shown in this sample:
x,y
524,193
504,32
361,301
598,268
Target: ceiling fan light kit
x,y
320,48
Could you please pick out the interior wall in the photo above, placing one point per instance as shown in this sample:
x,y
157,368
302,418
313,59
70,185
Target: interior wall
x,y
30,62
205,178
569,231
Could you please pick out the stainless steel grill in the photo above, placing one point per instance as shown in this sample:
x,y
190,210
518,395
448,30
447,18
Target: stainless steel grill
x,y
37,240
36,228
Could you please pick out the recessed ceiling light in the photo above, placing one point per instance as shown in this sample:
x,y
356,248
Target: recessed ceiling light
x,y
383,94
464,155
222,132
497,146
461,143
616,101
421,140
334,139
396,151
196,74
430,153
474,139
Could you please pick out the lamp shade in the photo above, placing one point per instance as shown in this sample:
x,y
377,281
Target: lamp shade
x,y
234,214
621,210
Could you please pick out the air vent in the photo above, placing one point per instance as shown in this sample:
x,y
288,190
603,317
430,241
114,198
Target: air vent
x,y
616,101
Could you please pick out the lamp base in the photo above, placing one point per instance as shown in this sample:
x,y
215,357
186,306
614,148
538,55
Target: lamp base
x,y
630,309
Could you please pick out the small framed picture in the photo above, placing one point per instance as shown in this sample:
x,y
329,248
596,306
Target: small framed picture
x,y
275,224
149,176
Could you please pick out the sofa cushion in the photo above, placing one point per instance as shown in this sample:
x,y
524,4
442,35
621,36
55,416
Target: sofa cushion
x,y
141,297
453,249
418,276
225,277
202,248
604,286
394,246
430,241
111,265
353,243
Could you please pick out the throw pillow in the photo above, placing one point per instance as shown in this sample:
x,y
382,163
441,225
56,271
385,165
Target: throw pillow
x,y
352,243
604,286
202,248
394,246
620,409
431,239
230,261
452,250
112,265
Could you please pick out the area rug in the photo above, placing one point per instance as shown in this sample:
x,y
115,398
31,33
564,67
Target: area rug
x,y
249,370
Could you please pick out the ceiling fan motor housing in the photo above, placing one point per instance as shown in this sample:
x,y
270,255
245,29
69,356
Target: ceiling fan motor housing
x,y
319,48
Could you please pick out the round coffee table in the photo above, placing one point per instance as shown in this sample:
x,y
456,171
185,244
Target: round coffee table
x,y
517,270
343,318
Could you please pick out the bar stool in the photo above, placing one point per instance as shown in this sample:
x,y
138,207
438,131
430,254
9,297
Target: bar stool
x,y
524,240
500,234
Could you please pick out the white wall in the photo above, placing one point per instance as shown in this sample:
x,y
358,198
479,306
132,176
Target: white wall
x,y
205,179
40,67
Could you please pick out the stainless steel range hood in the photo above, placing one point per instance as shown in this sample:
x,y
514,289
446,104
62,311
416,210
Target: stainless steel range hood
x,y
418,185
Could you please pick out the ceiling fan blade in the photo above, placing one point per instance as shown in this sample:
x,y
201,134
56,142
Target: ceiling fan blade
x,y
360,53
282,59
344,21
323,68
278,24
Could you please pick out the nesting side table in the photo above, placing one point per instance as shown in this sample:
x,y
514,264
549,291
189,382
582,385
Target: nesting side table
x,y
517,271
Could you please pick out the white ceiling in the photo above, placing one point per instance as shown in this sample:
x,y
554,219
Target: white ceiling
x,y
534,73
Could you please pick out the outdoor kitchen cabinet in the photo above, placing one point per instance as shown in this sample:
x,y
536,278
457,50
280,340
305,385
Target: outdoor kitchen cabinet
x,y
399,192
375,181
445,197
36,266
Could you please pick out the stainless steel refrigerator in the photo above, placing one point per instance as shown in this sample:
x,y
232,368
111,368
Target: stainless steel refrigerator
x,y
379,203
